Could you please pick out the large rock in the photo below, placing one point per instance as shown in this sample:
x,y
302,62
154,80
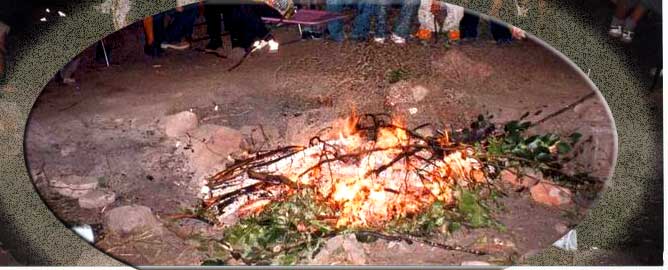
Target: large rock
x,y
131,218
73,186
516,179
177,125
551,195
97,199
341,249
475,263
211,145
257,137
311,123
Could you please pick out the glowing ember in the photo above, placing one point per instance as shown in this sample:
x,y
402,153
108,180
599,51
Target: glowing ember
x,y
367,181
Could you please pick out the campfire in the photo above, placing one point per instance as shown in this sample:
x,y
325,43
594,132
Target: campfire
x,y
373,176
374,170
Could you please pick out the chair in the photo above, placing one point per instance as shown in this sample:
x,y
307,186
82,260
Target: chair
x,y
308,17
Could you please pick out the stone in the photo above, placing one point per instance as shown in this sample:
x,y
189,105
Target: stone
x,y
66,150
177,125
561,228
341,249
97,199
419,92
355,250
74,186
528,179
475,263
126,219
224,140
210,147
551,195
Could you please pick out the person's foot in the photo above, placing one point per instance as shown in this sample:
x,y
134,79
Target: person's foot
x,y
175,46
397,39
379,40
627,36
153,51
311,35
615,31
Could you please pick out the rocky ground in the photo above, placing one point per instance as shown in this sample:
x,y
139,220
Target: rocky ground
x,y
129,145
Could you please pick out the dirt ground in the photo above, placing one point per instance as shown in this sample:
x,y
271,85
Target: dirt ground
x,y
110,125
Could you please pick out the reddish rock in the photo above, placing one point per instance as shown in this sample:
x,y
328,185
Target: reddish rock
x,y
126,219
97,199
178,124
551,195
210,147
74,186
512,178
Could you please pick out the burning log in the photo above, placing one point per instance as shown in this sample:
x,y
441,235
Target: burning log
x,y
375,171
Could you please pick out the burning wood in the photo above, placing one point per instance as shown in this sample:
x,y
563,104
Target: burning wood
x,y
375,171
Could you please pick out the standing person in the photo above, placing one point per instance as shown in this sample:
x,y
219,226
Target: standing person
x,y
366,10
13,14
369,10
402,27
179,31
159,37
623,24
243,21
437,16
501,33
335,28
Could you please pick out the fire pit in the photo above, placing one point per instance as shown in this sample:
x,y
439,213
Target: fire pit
x,y
373,176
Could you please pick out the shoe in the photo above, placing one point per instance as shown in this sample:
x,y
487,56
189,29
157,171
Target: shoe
x,y
379,40
176,46
627,36
311,35
153,51
615,31
397,39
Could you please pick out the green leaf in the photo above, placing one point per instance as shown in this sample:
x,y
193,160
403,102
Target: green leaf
x,y
563,148
475,214
575,137
544,157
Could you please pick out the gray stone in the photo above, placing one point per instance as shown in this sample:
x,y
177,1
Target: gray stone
x,y
475,263
419,92
73,186
126,219
342,249
211,147
97,199
177,125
